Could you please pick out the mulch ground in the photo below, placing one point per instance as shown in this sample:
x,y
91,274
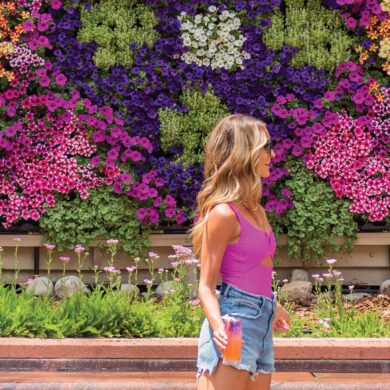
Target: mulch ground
x,y
379,303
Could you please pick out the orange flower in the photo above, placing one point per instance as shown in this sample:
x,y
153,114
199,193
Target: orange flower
x,y
373,47
363,57
379,97
374,86
386,67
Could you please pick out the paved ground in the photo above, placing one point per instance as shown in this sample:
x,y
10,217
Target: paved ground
x,y
182,381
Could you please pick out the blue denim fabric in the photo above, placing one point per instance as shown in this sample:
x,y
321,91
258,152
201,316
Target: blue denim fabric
x,y
256,313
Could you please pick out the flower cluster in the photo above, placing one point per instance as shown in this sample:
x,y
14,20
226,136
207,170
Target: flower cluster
x,y
346,156
11,31
213,39
371,20
32,170
23,58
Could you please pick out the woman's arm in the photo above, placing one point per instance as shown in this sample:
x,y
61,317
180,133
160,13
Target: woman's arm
x,y
221,229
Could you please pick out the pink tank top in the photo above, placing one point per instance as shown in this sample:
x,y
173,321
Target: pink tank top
x,y
242,261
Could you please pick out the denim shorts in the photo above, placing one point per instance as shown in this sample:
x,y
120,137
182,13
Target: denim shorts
x,y
256,313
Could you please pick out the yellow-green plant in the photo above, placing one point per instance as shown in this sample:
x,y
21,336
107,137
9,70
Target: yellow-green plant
x,y
318,33
190,129
117,27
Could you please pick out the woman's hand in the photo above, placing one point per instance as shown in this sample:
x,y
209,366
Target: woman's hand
x,y
281,321
220,338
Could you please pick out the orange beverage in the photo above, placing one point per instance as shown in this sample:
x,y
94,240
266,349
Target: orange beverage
x,y
233,329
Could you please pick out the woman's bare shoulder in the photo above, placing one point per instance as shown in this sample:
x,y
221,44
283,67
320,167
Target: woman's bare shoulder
x,y
223,213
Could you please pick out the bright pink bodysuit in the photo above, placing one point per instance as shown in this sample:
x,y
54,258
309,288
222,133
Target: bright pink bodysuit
x,y
242,264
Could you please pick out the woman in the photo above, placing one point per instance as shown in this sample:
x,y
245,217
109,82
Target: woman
x,y
233,238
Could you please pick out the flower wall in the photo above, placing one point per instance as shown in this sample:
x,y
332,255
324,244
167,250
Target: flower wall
x,y
121,95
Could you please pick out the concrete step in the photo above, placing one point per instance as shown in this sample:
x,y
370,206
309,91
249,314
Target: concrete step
x,y
150,380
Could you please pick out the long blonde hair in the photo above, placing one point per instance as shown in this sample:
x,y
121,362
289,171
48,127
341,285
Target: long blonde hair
x,y
232,158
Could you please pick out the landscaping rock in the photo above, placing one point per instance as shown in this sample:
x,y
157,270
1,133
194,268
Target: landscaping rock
x,y
299,275
299,292
385,287
40,286
355,296
69,285
165,286
131,289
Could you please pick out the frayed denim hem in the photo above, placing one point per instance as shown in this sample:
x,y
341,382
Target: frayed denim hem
x,y
238,366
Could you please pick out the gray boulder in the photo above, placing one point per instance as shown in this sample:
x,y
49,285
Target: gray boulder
x,y
166,287
298,292
40,286
385,287
354,296
130,289
299,275
69,285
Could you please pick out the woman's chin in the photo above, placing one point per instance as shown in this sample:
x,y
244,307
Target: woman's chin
x,y
264,175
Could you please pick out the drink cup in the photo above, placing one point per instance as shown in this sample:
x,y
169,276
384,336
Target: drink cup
x,y
233,329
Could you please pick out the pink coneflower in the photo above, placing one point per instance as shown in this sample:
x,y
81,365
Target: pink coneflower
x,y
153,255
79,249
331,261
65,259
17,239
315,276
50,247
112,241
111,269
351,287
148,281
130,269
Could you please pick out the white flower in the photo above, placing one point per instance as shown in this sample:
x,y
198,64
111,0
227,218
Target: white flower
x,y
213,44
206,62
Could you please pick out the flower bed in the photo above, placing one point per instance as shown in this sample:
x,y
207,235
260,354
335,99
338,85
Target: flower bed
x,y
114,307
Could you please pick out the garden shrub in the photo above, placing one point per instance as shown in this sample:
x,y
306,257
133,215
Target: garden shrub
x,y
190,127
104,214
318,217
117,27
317,32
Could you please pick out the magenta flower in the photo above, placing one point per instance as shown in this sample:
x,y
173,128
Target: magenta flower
x,y
64,259
56,4
61,79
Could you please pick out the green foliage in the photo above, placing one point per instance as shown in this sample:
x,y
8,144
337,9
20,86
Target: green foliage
x,y
177,318
23,315
317,218
190,129
351,325
105,314
317,32
101,216
114,25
